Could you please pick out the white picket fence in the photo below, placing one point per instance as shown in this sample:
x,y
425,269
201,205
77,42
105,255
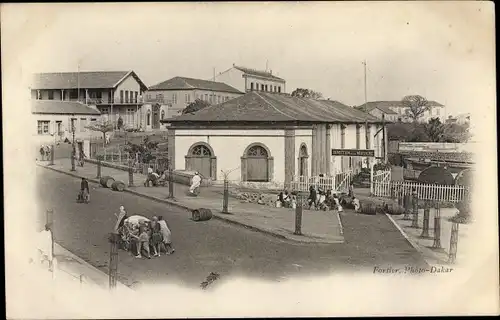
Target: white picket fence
x,y
339,182
445,193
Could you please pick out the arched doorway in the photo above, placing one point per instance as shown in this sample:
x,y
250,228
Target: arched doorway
x,y
257,163
303,156
201,158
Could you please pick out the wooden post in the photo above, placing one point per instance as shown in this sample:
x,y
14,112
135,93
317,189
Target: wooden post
x,y
406,204
437,227
130,174
425,229
452,255
113,259
52,154
170,183
298,215
99,168
372,163
225,200
414,222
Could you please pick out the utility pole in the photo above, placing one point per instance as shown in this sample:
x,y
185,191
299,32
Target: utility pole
x,y
366,96
214,74
78,83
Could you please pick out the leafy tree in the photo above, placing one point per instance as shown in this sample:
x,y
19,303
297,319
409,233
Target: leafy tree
x,y
144,149
119,123
435,130
307,93
415,106
456,133
196,105
103,127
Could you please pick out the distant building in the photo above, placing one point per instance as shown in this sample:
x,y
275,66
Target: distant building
x,y
178,92
379,111
382,107
459,119
54,120
246,79
114,93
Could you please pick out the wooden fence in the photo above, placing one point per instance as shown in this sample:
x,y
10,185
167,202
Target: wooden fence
x,y
339,182
432,192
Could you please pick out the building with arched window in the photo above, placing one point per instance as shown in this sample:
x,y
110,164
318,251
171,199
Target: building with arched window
x,y
270,138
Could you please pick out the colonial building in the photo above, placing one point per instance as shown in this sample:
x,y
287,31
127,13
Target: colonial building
x,y
114,93
245,80
53,120
269,138
377,108
178,92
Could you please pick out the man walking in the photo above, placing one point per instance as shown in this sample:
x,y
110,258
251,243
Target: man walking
x,y
195,183
84,190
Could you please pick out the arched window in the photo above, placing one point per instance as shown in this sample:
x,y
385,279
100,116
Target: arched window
x,y
201,158
257,163
148,118
303,156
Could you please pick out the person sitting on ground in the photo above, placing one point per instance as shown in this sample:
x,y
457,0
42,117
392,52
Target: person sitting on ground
x,y
293,201
321,198
286,199
150,177
166,235
357,205
142,242
156,237
313,197
280,201
195,182
337,203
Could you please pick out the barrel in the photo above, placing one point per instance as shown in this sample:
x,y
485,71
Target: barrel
x,y
368,208
202,214
118,186
107,181
395,209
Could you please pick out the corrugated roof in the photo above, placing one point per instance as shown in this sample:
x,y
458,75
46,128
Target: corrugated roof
x,y
272,107
84,80
182,83
61,107
386,105
384,109
258,73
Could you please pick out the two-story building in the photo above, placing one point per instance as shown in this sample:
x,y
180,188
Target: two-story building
x,y
271,138
377,108
114,93
246,79
177,93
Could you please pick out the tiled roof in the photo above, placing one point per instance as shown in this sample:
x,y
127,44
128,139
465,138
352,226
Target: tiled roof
x,y
273,107
84,80
384,109
258,73
182,83
385,105
61,107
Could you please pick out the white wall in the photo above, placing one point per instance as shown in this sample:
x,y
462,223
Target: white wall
x,y
260,81
229,146
303,136
232,77
129,84
80,133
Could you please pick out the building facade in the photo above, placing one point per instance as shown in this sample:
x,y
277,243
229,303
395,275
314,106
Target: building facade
x,y
272,138
116,94
245,80
177,93
53,120
377,108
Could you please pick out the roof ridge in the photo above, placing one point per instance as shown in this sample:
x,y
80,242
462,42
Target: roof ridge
x,y
265,100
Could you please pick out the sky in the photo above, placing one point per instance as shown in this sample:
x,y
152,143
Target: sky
x,y
442,51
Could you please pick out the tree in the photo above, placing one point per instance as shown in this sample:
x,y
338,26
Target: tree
x,y
456,133
435,130
103,127
144,149
307,93
119,123
196,105
415,106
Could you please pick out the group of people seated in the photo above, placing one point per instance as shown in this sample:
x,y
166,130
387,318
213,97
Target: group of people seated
x,y
318,198
156,178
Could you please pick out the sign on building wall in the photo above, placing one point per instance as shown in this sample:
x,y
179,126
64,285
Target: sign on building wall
x,y
353,152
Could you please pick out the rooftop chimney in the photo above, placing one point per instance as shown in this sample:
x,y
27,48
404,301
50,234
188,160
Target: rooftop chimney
x,y
233,64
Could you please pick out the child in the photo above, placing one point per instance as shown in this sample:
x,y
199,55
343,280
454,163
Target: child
x,y
156,237
142,242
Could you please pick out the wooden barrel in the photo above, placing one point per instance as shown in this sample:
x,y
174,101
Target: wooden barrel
x,y
395,209
118,186
368,208
202,214
107,181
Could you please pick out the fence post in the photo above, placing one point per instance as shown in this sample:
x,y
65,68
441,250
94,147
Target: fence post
x,y
414,222
170,183
437,227
406,204
52,149
225,200
452,255
371,178
99,167
113,259
298,215
130,174
425,230
73,155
